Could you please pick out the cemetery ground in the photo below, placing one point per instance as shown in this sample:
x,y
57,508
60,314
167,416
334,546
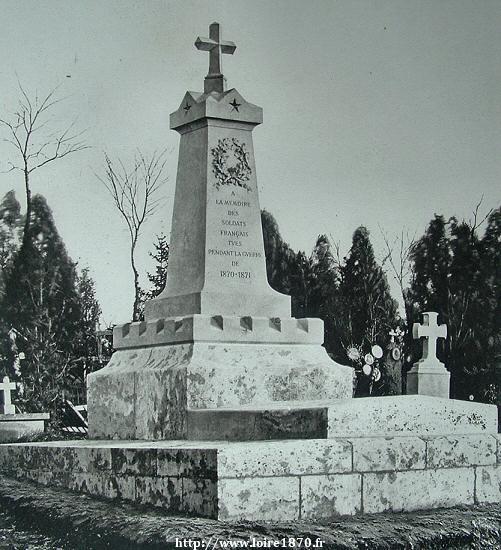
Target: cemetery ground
x,y
38,517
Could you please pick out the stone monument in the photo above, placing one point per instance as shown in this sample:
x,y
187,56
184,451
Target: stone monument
x,y
220,404
218,340
429,376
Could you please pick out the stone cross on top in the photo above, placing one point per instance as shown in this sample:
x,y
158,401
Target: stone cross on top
x,y
214,81
6,388
431,331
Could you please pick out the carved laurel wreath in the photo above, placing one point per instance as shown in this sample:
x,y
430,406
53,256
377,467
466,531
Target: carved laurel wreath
x,y
237,174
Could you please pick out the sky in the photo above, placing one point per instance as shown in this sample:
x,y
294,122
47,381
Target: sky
x,y
376,113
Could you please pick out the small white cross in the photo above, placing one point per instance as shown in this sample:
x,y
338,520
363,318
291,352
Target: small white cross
x,y
431,331
6,388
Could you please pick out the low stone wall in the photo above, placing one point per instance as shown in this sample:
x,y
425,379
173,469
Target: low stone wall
x,y
273,480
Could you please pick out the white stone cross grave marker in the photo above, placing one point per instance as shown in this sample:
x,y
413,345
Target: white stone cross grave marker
x,y
6,387
429,376
431,331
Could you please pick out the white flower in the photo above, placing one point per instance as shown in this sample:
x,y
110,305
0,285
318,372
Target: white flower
x,y
353,354
377,351
367,369
369,359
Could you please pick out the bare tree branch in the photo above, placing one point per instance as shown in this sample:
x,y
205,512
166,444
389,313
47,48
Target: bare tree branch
x,y
475,223
34,149
398,253
134,192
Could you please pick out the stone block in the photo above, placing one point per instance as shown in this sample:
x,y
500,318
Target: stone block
x,y
44,477
160,402
200,497
434,381
61,457
10,457
461,450
137,462
14,426
235,376
263,498
282,458
294,422
123,487
325,496
114,390
92,484
417,489
195,463
373,454
92,459
409,415
162,492
488,484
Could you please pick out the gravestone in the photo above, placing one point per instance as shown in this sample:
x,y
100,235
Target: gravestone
x,y
218,337
6,387
429,376
14,425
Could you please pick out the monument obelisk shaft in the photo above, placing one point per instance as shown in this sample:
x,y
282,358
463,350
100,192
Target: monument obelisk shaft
x,y
217,264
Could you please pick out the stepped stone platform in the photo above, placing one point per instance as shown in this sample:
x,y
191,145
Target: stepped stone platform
x,y
272,480
379,416
422,452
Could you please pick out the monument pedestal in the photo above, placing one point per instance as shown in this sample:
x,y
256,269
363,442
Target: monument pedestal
x,y
429,380
155,390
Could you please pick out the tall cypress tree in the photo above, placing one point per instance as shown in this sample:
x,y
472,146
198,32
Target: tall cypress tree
x,y
366,311
288,272
10,235
491,302
457,275
10,229
370,310
158,278
322,283
279,256
42,306
431,257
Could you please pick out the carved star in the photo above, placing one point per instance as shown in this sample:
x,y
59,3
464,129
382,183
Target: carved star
x,y
187,107
235,105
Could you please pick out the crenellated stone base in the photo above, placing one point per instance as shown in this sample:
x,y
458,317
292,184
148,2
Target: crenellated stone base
x,y
219,329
